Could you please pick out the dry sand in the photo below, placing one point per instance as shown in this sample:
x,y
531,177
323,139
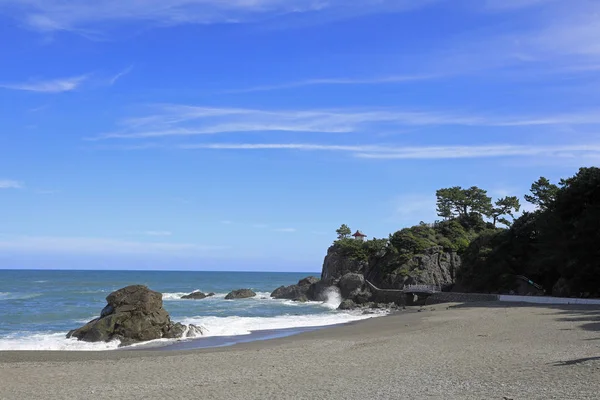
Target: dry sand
x,y
487,351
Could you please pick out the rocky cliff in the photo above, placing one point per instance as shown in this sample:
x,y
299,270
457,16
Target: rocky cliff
x,y
388,268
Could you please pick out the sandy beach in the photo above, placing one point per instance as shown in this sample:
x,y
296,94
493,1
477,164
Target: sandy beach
x,y
447,351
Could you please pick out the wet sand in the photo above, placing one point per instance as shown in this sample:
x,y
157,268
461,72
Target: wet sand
x,y
475,351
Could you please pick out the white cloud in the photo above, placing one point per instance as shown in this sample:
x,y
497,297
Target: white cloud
x,y
77,15
285,230
157,233
183,120
50,86
99,246
226,222
420,152
506,5
339,81
119,75
10,184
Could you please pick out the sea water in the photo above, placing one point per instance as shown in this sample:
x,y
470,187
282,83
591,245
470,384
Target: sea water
x,y
38,308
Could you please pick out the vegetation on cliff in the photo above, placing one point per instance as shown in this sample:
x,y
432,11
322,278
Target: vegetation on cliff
x,y
556,245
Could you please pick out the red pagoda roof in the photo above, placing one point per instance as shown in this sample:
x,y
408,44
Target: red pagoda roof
x,y
359,233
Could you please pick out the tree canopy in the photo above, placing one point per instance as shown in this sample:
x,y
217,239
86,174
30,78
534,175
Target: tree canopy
x,y
343,232
459,202
505,206
543,193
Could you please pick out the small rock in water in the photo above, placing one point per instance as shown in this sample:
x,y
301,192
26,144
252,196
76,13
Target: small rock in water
x,y
195,296
240,294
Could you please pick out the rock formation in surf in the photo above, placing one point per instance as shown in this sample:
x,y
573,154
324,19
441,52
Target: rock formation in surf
x,y
240,294
133,314
197,296
297,292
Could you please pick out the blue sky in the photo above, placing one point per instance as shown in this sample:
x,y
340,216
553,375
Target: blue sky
x,y
235,135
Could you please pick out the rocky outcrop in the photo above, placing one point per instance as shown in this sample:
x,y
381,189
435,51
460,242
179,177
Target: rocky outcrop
x,y
240,294
297,292
389,269
133,314
350,282
433,267
386,268
197,296
320,291
337,264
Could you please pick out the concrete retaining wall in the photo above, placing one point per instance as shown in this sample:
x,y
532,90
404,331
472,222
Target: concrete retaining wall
x,y
450,297
547,300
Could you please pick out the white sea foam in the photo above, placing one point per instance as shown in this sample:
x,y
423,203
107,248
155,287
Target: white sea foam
x,y
176,296
179,295
232,326
52,341
212,326
334,298
18,296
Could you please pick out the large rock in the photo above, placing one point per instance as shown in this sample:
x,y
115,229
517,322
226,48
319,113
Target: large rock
x,y
320,291
336,265
197,296
133,314
240,294
298,292
351,282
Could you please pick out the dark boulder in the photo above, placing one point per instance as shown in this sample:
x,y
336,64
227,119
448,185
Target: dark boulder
x,y
319,291
133,314
297,292
309,280
360,296
195,296
240,294
347,305
349,283
291,292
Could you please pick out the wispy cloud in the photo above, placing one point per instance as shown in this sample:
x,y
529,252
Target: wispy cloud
x,y
119,75
506,5
48,86
49,15
10,184
100,246
339,82
157,233
183,120
422,152
285,230
227,222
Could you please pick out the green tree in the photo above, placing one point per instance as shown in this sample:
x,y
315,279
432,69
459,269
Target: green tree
x,y
459,202
343,232
505,206
543,193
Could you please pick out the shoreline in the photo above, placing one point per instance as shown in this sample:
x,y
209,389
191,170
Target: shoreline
x,y
447,351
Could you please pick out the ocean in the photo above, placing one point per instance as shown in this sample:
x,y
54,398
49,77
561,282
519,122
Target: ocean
x,y
38,307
